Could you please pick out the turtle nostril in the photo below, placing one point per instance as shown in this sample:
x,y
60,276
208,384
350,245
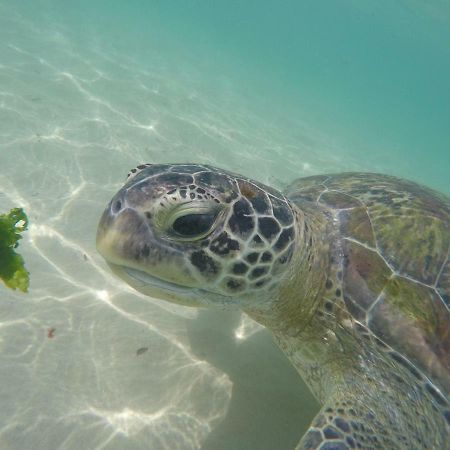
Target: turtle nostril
x,y
116,206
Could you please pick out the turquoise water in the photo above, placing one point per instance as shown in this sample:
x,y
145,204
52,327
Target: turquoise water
x,y
274,90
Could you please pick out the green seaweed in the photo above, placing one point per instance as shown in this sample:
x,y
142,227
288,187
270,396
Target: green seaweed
x,y
12,269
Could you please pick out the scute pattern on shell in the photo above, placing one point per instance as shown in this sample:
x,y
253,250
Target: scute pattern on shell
x,y
395,243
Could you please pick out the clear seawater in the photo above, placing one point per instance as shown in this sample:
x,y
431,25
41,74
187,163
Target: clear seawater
x,y
274,90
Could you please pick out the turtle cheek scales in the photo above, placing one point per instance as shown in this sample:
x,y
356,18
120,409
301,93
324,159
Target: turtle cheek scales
x,y
282,212
241,222
286,236
268,227
223,245
205,264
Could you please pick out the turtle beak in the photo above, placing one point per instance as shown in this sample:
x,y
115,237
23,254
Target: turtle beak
x,y
119,234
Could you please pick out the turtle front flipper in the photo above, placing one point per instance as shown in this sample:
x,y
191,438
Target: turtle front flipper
x,y
375,417
339,427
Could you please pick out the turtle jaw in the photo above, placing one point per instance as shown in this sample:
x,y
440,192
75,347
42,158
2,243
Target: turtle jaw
x,y
158,288
129,247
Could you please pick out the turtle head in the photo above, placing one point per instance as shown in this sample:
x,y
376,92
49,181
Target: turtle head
x,y
198,235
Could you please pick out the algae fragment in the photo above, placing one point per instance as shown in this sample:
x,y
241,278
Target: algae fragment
x,y
12,269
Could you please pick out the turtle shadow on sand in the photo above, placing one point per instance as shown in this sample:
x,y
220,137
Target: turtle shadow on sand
x,y
270,406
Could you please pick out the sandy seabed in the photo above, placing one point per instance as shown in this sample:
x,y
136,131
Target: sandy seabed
x,y
86,362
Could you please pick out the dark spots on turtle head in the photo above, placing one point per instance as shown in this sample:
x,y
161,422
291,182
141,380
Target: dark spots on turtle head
x,y
260,204
240,268
282,260
257,240
285,257
282,212
331,433
145,251
268,227
435,394
339,274
261,283
148,215
342,424
329,284
338,292
241,220
192,195
204,263
350,442
352,412
258,272
223,244
150,169
329,306
192,186
252,257
266,257
286,236
201,191
235,284
172,191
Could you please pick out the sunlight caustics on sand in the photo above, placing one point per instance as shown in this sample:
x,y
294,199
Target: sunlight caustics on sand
x,y
86,362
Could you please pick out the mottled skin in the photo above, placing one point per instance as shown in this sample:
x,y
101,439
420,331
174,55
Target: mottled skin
x,y
350,272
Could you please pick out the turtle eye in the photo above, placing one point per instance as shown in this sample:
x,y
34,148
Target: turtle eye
x,y
194,225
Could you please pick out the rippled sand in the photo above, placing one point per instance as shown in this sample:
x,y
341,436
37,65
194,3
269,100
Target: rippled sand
x,y
85,362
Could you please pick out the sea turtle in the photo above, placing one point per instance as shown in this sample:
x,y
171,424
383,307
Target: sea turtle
x,y
350,272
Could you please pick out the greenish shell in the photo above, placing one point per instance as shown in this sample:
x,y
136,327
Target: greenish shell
x,y
394,272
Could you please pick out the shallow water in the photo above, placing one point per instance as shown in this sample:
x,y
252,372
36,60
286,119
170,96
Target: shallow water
x,y
87,92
